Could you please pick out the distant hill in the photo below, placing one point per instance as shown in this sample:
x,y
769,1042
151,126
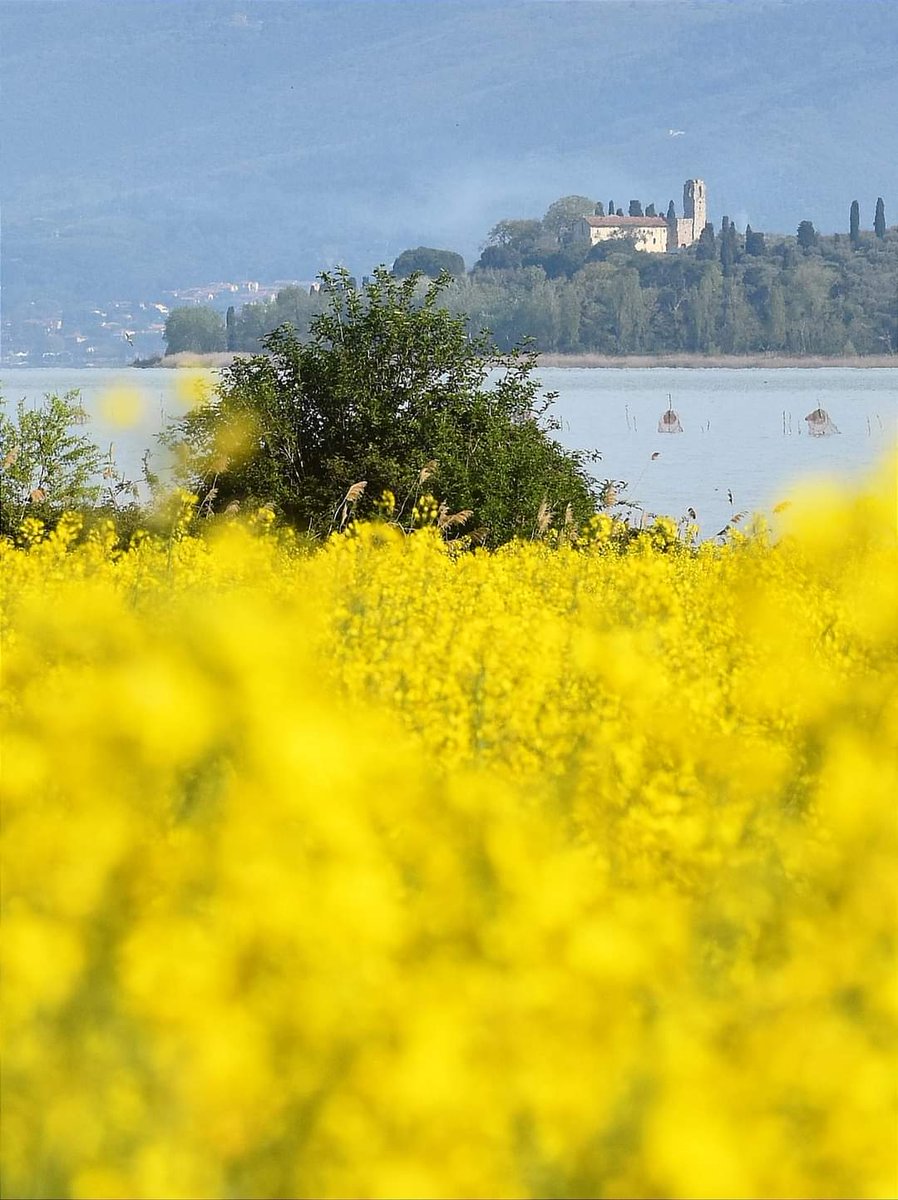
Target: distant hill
x,y
151,145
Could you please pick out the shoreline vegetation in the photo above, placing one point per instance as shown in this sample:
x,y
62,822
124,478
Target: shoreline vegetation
x,y
727,300
214,361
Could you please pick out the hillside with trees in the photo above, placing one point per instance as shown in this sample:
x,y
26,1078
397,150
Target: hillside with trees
x,y
150,146
734,292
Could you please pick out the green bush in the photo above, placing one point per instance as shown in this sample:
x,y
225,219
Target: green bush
x,y
390,390
45,466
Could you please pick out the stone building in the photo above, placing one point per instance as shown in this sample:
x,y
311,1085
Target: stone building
x,y
695,215
647,233
655,235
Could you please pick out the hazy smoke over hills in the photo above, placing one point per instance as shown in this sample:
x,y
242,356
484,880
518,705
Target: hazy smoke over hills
x,y
152,144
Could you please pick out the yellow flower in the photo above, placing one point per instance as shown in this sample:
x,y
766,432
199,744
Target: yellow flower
x,y
385,870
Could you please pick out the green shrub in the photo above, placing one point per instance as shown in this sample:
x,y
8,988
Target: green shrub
x,y
45,466
390,390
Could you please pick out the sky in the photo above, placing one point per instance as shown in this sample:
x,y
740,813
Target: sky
x,y
147,144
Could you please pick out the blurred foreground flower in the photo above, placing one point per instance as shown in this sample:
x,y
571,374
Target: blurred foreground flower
x,y
392,872
122,406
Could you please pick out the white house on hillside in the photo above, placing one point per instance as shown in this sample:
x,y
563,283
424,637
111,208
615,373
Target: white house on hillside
x,y
654,235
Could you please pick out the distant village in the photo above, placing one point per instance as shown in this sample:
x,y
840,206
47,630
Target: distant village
x,y
113,332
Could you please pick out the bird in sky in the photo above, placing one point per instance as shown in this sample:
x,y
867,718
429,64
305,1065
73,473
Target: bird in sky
x,y
676,133
128,336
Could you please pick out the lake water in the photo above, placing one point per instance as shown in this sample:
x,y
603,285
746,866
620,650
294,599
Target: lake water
x,y
149,399
744,432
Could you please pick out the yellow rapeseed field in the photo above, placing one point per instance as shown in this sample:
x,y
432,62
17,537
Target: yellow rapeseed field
x,y
390,871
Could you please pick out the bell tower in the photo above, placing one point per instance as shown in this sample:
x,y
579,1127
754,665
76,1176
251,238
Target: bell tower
x,y
695,205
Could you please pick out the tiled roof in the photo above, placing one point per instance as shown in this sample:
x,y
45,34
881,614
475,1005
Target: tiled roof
x,y
626,222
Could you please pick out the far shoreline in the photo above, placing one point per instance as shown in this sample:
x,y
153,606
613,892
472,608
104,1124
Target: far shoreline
x,y
715,362
769,362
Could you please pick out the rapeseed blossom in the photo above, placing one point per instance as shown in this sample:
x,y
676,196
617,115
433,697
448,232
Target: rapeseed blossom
x,y
567,869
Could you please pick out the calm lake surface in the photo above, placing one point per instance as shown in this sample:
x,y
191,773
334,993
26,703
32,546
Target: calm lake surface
x,y
744,431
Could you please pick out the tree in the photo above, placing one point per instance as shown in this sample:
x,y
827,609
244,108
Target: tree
x,y
726,254
425,260
389,383
728,245
707,243
635,209
776,318
520,234
199,329
733,239
231,327
629,311
46,467
562,214
807,235
671,212
600,209
650,210
291,304
854,223
703,307
499,258
879,220
565,261
754,242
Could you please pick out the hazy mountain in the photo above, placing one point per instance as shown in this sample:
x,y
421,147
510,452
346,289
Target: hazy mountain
x,y
157,144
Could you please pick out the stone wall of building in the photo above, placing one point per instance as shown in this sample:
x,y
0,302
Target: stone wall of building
x,y
683,233
695,206
647,233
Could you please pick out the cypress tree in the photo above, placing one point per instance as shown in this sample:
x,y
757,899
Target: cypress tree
x,y
650,210
707,245
854,223
726,246
231,327
600,209
610,208
671,212
635,209
879,221
734,241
